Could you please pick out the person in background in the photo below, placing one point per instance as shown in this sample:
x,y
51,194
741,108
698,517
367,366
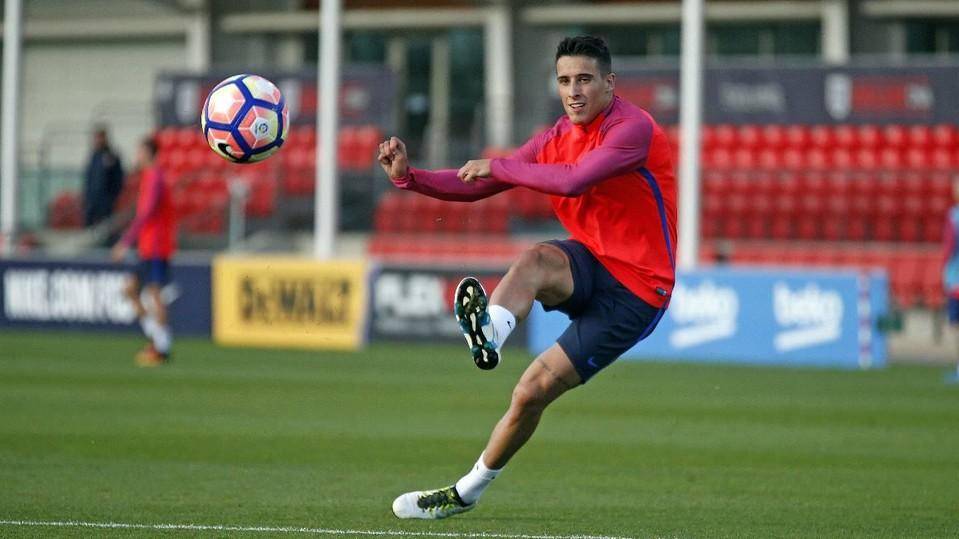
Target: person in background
x,y
950,272
154,230
103,180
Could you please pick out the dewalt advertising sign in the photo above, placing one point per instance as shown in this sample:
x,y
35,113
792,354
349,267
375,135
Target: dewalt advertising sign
x,y
289,302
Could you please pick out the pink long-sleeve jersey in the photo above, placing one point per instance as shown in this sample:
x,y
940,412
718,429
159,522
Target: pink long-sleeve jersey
x,y
611,184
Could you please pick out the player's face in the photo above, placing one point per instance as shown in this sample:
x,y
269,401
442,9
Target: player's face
x,y
585,92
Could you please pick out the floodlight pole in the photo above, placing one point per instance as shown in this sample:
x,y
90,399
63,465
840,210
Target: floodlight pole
x,y
690,126
327,118
10,122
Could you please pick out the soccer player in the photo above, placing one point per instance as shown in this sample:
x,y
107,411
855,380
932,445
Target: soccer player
x,y
154,230
950,271
606,165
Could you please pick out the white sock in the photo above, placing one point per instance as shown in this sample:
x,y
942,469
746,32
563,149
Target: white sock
x,y
162,339
471,486
503,323
148,325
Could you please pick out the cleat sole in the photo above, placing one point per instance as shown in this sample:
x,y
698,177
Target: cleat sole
x,y
469,307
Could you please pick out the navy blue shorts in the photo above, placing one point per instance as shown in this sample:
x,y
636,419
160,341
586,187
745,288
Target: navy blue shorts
x,y
952,310
606,318
153,271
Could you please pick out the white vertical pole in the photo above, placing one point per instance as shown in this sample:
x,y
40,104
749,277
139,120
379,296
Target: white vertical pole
x,y
835,31
439,131
397,61
498,48
198,38
327,117
10,122
690,125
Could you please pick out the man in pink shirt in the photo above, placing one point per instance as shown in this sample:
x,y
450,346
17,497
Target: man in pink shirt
x,y
606,166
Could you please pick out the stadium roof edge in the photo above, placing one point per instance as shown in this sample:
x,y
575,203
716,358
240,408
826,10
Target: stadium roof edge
x,y
642,12
105,27
910,8
299,21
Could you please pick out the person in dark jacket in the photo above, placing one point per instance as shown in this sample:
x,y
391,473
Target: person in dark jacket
x,y
103,180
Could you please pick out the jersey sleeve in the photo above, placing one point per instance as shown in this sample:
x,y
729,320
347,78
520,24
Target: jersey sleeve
x,y
446,185
624,148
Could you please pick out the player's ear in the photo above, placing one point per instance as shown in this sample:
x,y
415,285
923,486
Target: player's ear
x,y
610,81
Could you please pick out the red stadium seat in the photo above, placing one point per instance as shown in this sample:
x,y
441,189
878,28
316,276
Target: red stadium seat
x,y
868,136
842,158
724,136
917,158
919,136
794,158
745,158
843,136
866,159
770,158
944,136
821,136
895,136
748,136
798,137
65,211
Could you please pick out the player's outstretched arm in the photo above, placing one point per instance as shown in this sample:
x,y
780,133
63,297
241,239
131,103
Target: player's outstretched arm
x,y
441,184
624,148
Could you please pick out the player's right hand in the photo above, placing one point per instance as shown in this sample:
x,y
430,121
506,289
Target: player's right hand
x,y
392,157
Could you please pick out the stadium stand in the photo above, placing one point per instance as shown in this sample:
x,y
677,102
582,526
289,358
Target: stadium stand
x,y
201,179
831,196
859,196
825,196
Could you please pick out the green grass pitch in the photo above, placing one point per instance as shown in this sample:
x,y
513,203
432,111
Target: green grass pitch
x,y
242,437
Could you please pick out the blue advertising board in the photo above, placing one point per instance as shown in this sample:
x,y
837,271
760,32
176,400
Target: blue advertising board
x,y
760,316
77,294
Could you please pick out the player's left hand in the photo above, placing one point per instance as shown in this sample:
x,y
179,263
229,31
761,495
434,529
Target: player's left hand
x,y
473,169
119,252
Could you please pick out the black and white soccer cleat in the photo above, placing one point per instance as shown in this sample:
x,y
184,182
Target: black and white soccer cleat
x,y
469,306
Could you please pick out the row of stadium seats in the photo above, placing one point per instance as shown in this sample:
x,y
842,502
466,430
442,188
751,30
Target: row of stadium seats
x,y
806,137
475,248
835,158
915,271
183,149
406,212
200,178
809,206
823,159
835,206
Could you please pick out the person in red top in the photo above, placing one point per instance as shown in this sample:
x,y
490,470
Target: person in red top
x,y
154,230
606,166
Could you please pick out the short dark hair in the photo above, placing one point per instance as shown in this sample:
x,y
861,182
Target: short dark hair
x,y
592,46
150,143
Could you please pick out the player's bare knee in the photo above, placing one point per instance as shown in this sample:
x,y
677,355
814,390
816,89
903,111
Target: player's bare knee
x,y
528,397
540,262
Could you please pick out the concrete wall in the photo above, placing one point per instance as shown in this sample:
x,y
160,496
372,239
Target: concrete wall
x,y
71,86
